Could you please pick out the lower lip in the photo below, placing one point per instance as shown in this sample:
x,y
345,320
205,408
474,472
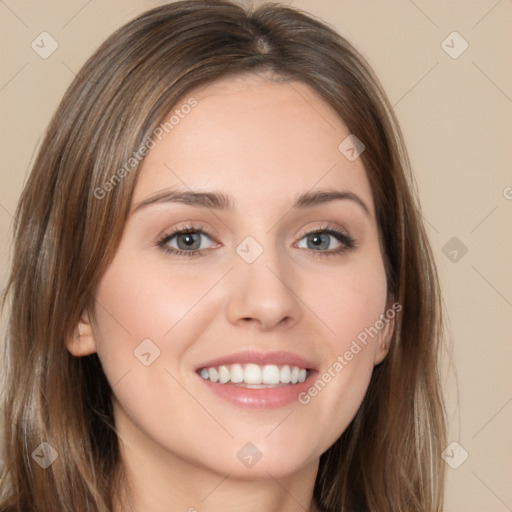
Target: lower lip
x,y
265,398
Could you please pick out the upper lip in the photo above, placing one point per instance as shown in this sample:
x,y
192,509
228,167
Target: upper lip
x,y
261,358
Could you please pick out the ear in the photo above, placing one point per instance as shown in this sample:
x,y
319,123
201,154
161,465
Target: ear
x,y
82,343
385,335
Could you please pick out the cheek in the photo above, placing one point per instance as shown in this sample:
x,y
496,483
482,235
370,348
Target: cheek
x,y
146,321
352,302
135,303
355,306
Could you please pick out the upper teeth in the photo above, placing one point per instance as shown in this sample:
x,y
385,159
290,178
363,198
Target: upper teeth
x,y
255,374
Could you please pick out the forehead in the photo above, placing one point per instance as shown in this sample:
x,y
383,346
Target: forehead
x,y
254,139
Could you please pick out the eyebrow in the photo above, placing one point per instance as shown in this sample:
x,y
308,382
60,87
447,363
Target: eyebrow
x,y
220,201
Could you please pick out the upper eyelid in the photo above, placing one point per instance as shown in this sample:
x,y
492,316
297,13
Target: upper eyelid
x,y
165,237
167,233
205,231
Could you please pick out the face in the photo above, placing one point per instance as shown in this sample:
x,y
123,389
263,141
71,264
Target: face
x,y
231,326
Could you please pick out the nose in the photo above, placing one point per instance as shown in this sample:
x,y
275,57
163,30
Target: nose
x,y
263,294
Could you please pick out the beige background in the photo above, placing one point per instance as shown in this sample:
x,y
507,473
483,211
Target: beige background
x,y
456,116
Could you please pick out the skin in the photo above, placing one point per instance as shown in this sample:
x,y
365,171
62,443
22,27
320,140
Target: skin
x,y
179,440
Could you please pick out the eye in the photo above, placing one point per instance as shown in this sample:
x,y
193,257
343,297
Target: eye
x,y
188,241
327,241
184,241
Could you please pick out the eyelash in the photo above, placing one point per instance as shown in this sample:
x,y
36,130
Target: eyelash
x,y
346,240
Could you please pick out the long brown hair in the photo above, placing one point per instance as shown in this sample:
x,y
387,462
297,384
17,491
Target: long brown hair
x,y
69,223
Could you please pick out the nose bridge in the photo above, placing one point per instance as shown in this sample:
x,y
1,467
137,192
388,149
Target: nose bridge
x,y
261,287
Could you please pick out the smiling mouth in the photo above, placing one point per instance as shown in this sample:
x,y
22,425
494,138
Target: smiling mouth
x,y
255,376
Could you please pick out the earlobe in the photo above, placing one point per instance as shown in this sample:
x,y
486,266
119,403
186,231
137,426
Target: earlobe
x,y
82,342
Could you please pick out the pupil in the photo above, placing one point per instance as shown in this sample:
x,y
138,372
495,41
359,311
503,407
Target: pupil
x,y
189,239
317,241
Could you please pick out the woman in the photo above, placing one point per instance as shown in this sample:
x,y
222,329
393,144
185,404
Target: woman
x,y
222,295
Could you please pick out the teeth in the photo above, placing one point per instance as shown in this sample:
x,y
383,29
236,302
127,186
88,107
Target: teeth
x,y
285,375
237,374
270,374
254,375
213,374
224,374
